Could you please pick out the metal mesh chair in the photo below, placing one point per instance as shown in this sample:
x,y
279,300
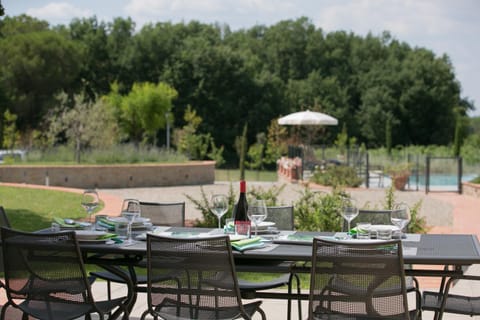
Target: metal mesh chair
x,y
284,220
452,303
282,216
358,281
194,279
165,214
45,277
383,217
372,216
4,222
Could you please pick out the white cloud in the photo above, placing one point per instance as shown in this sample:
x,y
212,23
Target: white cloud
x,y
59,12
236,13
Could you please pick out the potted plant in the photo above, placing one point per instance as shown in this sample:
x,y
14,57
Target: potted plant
x,y
399,174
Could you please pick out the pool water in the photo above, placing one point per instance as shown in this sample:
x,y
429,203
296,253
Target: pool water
x,y
439,179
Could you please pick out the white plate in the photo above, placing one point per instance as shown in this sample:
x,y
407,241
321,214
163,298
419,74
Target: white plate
x,y
381,227
236,237
361,241
138,220
85,235
264,225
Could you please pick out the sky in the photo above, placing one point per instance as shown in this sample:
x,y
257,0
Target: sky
x,y
444,26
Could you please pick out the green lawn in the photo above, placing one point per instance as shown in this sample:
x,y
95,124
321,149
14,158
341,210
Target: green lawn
x,y
32,209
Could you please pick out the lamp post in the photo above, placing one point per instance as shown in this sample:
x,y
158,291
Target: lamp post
x,y
167,118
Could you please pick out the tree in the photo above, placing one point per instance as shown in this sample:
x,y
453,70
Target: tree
x,y
35,67
142,111
276,143
85,125
197,146
11,135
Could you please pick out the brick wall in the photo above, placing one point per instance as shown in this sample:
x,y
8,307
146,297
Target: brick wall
x,y
112,176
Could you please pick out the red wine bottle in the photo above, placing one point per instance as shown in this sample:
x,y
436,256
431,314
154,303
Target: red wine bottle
x,y
241,221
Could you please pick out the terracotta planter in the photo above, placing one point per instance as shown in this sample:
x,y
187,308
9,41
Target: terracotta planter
x,y
400,181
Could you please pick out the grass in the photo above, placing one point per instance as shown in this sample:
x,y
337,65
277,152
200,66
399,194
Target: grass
x,y
33,209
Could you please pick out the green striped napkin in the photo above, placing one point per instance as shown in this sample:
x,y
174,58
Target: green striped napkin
x,y
245,244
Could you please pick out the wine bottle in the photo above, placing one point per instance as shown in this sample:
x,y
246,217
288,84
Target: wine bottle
x,y
241,221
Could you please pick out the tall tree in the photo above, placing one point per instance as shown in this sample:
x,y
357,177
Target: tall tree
x,y
35,67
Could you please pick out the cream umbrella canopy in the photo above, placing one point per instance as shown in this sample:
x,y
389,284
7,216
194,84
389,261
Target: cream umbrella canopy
x,y
306,118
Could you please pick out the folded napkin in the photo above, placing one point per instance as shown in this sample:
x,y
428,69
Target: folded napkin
x,y
104,222
61,222
107,236
245,244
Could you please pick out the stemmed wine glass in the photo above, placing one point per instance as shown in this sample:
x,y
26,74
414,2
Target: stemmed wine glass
x,y
130,210
90,201
400,216
219,207
257,212
349,212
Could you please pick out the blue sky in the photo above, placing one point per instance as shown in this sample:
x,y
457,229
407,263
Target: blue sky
x,y
447,27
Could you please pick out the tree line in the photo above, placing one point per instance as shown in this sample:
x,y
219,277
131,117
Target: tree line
x,y
217,81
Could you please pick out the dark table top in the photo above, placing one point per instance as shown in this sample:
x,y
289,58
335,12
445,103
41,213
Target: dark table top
x,y
435,249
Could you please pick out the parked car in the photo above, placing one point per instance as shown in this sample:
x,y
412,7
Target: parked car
x,y
16,154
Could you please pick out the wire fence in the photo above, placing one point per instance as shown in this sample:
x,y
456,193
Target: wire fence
x,y
426,172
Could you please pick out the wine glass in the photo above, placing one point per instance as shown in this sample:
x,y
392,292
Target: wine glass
x,y
90,201
400,216
219,207
257,212
349,212
130,210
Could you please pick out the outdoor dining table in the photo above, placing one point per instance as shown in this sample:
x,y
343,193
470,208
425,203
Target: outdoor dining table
x,y
451,253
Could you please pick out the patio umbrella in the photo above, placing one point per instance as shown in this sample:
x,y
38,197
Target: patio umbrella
x,y
308,118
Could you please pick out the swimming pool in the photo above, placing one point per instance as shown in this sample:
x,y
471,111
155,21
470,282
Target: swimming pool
x,y
440,179
438,182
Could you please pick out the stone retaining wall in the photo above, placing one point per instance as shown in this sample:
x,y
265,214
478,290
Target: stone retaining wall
x,y
471,189
112,176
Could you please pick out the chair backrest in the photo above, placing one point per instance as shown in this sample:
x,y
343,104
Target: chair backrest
x,y
164,214
4,222
357,280
45,267
372,216
282,216
194,277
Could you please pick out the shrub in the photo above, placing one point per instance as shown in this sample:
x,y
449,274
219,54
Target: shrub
x,y
316,211
337,176
417,224
210,220
475,180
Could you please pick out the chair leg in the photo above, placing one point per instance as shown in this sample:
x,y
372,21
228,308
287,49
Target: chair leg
x,y
109,290
289,301
299,301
